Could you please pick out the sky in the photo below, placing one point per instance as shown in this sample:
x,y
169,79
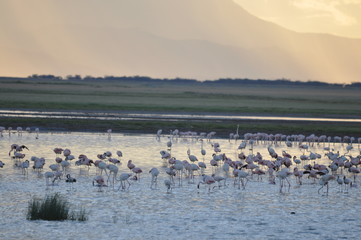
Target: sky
x,y
337,17
199,39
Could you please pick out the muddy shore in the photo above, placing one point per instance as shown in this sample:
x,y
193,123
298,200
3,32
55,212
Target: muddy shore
x,y
149,123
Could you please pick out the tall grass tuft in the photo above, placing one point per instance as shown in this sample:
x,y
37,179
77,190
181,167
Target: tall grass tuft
x,y
53,208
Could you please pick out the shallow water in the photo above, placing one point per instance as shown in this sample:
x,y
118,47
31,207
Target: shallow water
x,y
258,212
161,117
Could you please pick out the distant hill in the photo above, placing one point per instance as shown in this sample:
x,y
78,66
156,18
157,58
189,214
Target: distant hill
x,y
195,39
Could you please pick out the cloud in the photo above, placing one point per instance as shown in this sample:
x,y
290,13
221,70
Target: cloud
x,y
333,9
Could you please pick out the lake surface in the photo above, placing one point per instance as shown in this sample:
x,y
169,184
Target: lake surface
x,y
260,211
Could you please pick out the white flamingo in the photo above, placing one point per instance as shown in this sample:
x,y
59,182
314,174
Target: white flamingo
x,y
282,176
113,170
168,185
324,181
123,178
154,172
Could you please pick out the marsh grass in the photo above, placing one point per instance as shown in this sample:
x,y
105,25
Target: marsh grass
x,y
173,97
53,208
176,97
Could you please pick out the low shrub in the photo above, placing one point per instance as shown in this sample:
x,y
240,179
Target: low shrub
x,y
53,208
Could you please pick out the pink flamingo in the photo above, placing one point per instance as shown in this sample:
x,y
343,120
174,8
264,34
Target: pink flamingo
x,y
171,173
58,151
100,183
209,180
130,165
137,172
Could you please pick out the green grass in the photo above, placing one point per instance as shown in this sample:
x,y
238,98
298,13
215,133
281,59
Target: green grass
x,y
128,96
53,208
170,97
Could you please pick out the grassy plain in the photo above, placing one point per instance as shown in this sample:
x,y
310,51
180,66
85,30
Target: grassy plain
x,y
179,97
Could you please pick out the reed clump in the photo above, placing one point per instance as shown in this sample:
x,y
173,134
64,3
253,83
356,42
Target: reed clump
x,y
53,208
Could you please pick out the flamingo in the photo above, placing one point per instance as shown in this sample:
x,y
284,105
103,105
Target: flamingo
x,y
192,158
103,167
20,131
57,175
347,183
171,173
66,153
236,135
159,133
202,166
324,181
219,179
137,172
58,160
214,164
285,154
154,172
54,167
298,174
240,176
49,175
100,182
259,173
178,166
349,148
282,176
354,171
38,164
193,167
296,160
168,185
112,170
58,151
17,148
119,153
114,161
70,179
2,129
165,155
340,183
124,178
130,165
65,165
169,144
203,151
37,133
25,166
209,180
242,145
225,168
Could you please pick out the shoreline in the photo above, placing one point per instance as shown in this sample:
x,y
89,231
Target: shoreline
x,y
222,127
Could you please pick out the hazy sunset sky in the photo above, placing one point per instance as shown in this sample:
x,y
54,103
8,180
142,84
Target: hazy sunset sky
x,y
201,39
338,17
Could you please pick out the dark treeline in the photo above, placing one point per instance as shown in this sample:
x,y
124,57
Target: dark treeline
x,y
225,81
